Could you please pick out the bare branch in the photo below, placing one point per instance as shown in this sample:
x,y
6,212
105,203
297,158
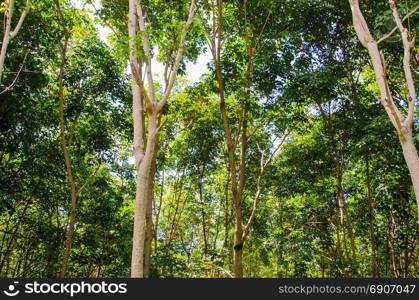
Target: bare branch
x,y
179,56
256,128
139,81
21,19
147,52
276,150
395,28
263,165
364,35
17,75
89,179
407,45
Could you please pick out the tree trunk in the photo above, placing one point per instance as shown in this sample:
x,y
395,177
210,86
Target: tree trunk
x,y
351,235
145,155
69,235
412,160
238,247
8,34
67,157
402,124
140,207
226,251
156,225
202,205
374,268
149,217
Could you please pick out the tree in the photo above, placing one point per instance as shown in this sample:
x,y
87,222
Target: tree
x,y
8,33
145,148
402,123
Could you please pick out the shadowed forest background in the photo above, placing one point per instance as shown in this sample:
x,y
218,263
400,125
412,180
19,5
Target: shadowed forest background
x,y
284,159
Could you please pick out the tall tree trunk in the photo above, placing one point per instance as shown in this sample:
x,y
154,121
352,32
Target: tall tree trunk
x,y
351,235
8,34
202,205
156,225
138,144
340,206
371,222
145,155
345,223
393,227
140,208
226,252
402,124
411,157
237,167
149,217
238,246
64,144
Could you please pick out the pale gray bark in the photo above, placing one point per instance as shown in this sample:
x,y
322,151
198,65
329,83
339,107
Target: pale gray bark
x,y
65,144
238,173
146,104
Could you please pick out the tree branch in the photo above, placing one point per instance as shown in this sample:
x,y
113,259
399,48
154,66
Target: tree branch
x,y
407,45
89,179
263,165
395,28
21,19
147,52
17,75
179,56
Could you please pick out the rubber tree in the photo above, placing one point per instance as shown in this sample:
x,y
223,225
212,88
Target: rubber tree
x,y
9,34
66,142
147,114
239,134
402,122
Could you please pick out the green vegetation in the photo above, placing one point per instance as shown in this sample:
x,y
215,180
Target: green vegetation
x,y
293,155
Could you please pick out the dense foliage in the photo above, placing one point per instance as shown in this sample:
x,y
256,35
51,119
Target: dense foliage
x,y
334,197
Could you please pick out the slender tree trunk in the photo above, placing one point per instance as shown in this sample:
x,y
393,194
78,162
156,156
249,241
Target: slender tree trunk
x,y
64,144
226,254
237,173
145,155
156,225
69,235
238,246
387,249
411,157
402,123
351,235
374,267
143,180
406,258
202,205
178,198
345,223
149,217
392,223
340,229
8,34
